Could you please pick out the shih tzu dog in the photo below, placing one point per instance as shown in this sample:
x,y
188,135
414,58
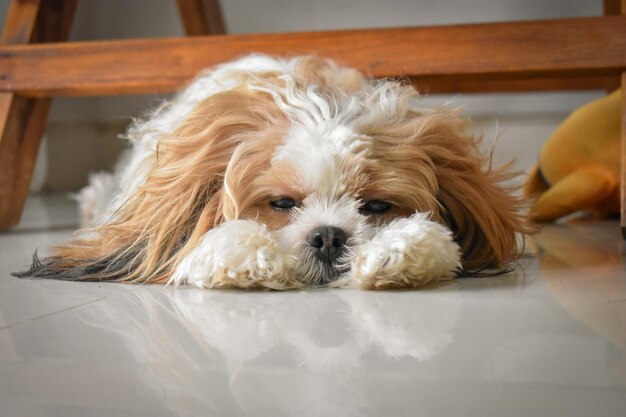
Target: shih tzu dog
x,y
283,173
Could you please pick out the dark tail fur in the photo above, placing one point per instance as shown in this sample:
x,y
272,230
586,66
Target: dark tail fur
x,y
111,268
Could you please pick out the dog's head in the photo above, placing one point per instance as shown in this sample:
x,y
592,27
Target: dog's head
x,y
320,155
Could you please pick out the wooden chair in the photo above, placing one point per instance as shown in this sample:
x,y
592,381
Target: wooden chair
x,y
36,65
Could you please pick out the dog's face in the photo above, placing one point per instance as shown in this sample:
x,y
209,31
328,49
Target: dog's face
x,y
326,188
322,195
321,156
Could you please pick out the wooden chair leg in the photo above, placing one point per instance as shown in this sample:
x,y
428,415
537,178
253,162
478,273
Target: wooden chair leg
x,y
201,17
23,120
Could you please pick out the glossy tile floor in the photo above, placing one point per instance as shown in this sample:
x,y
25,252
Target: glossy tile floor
x,y
546,340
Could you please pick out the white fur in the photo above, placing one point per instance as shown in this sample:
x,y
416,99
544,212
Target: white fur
x,y
238,253
242,253
94,200
406,253
317,153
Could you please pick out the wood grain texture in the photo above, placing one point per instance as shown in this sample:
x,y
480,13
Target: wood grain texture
x,y
22,123
201,17
23,120
567,48
19,28
20,22
513,85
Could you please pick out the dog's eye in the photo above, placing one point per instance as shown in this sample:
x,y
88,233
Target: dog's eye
x,y
375,207
284,203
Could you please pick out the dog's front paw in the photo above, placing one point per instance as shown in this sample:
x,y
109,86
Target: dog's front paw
x,y
237,254
408,252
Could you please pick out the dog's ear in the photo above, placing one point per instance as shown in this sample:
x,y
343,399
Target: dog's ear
x,y
483,213
180,200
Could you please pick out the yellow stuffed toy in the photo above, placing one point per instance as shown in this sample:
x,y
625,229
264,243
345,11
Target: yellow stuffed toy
x,y
579,165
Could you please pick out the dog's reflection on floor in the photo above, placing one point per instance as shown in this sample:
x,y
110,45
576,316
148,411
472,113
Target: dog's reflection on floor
x,y
275,353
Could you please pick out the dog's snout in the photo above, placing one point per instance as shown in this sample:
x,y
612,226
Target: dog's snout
x,y
329,242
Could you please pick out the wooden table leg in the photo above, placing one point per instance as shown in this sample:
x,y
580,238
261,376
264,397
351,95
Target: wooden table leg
x,y
23,120
617,7
623,183
613,8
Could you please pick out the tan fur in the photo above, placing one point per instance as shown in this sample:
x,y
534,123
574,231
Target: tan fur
x,y
184,194
444,173
314,70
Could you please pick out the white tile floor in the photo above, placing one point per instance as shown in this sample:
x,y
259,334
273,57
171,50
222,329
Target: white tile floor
x,y
546,340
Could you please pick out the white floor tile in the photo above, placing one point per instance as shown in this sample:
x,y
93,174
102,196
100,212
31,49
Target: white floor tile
x,y
547,339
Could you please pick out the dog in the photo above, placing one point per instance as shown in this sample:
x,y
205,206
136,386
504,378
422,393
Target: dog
x,y
286,173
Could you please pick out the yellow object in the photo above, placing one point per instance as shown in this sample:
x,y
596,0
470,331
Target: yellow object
x,y
579,165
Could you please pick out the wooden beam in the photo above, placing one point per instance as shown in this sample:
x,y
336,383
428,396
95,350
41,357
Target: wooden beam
x,y
201,17
568,48
435,85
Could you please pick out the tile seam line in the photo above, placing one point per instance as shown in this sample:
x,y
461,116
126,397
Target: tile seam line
x,y
20,323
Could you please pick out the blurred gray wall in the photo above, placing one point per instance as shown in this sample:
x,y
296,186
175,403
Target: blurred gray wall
x,y
82,131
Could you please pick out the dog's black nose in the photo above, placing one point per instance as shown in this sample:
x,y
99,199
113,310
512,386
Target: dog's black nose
x,y
329,242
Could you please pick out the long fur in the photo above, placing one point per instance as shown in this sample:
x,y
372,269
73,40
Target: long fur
x,y
233,139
